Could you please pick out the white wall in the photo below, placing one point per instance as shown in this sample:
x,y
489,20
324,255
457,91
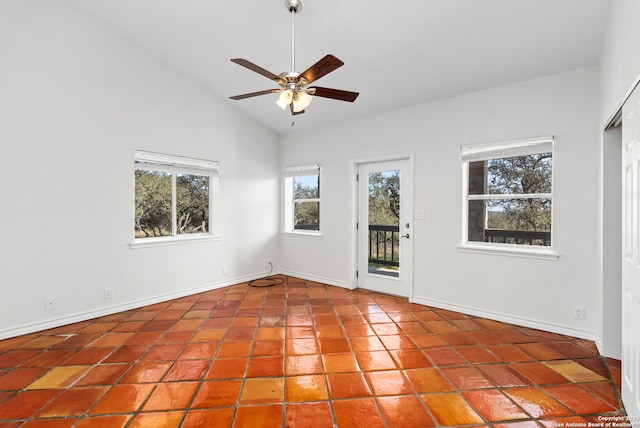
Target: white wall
x,y
76,102
532,292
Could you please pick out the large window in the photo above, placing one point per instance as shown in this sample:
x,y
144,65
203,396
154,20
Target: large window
x,y
508,192
302,199
173,196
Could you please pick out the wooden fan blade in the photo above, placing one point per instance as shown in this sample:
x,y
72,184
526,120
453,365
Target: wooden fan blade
x,y
251,66
293,113
255,94
321,68
335,94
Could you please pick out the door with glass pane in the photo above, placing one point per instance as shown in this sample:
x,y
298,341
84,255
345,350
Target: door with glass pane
x,y
384,227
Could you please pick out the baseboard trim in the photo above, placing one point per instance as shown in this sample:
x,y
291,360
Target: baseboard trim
x,y
600,346
87,315
510,319
319,279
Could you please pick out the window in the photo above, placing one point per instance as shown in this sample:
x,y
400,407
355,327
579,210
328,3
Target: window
x,y
173,196
302,199
508,193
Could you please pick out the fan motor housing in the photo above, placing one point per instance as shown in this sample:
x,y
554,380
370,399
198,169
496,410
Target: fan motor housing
x,y
292,77
290,80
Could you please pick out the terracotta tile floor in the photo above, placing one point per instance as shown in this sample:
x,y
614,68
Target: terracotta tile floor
x,y
301,354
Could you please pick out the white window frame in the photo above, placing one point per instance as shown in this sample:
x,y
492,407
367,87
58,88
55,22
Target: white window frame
x,y
497,150
289,174
150,161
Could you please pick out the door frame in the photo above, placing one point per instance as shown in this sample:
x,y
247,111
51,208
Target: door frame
x,y
355,165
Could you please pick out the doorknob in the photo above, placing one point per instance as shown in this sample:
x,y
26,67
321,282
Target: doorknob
x,y
405,236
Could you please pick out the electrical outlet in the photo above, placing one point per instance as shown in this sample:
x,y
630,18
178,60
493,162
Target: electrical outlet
x,y
108,293
225,270
50,304
578,312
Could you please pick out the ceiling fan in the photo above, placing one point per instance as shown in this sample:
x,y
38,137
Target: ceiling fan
x,y
294,90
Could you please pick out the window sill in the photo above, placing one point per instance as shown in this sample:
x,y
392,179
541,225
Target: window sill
x,y
170,240
304,234
542,253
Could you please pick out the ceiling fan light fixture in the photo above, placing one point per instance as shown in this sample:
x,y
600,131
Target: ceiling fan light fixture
x,y
301,101
285,98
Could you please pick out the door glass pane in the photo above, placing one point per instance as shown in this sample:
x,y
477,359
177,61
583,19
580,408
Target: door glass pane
x,y
384,222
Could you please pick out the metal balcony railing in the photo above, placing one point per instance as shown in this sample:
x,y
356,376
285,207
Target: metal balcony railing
x,y
384,244
522,237
310,226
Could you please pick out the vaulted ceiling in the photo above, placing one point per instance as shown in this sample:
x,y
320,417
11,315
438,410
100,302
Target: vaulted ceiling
x,y
396,53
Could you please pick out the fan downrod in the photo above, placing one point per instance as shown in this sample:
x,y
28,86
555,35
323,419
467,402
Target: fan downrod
x,y
293,5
